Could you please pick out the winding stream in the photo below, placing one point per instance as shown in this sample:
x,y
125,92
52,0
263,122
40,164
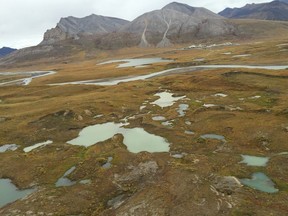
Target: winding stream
x,y
27,80
117,80
114,81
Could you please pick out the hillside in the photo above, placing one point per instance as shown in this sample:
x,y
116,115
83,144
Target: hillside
x,y
176,23
72,27
276,10
5,51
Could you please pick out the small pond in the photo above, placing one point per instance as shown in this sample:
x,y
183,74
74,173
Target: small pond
x,y
167,123
108,164
136,139
30,148
182,109
220,95
8,147
261,182
254,161
10,193
189,132
158,118
166,99
213,136
139,62
209,105
64,181
242,55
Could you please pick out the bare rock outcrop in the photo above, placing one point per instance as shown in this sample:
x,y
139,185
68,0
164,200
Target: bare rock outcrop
x,y
72,27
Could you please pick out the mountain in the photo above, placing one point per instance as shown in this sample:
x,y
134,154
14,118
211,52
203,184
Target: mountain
x,y
177,23
276,10
286,1
72,27
172,24
5,51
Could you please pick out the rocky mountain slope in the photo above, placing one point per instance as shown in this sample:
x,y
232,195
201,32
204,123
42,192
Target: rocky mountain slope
x,y
286,1
276,10
177,23
172,24
72,27
5,51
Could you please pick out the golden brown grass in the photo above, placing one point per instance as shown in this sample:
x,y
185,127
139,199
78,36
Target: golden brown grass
x,y
32,114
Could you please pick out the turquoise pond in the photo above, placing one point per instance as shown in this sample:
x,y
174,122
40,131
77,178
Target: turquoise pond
x,y
136,139
261,182
10,193
254,160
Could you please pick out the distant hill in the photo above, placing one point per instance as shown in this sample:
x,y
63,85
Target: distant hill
x,y
72,27
5,51
286,1
276,10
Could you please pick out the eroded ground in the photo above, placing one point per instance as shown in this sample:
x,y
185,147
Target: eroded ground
x,y
196,177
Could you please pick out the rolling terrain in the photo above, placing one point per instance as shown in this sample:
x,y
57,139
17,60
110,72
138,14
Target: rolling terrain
x,y
194,128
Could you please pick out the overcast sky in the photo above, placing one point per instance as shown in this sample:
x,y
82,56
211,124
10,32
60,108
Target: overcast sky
x,y
23,22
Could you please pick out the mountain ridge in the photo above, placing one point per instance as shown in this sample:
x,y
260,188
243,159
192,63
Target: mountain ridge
x,y
73,27
275,10
6,51
174,23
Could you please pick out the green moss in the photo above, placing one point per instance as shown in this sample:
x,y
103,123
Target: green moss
x,y
242,212
281,185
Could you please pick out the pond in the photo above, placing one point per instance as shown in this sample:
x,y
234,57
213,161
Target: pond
x,y
254,161
108,164
10,193
166,99
167,123
181,109
64,181
209,105
42,144
8,147
137,62
189,132
158,118
242,55
261,182
220,95
136,139
213,136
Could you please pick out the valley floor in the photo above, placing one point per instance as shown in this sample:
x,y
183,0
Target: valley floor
x,y
220,117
